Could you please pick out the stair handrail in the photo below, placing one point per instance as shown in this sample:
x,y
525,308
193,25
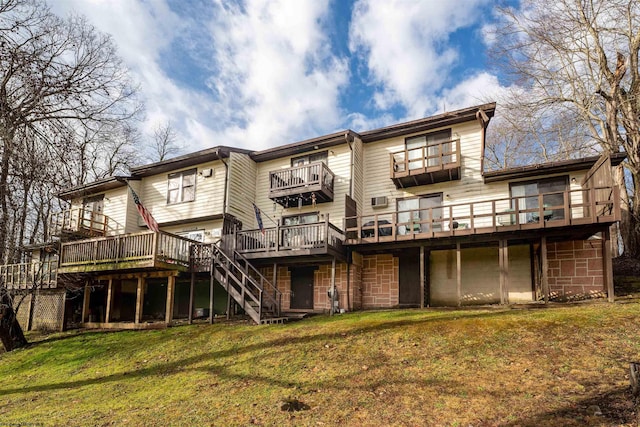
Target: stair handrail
x,y
218,252
276,299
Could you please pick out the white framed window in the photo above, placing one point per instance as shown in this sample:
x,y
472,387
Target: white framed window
x,y
181,187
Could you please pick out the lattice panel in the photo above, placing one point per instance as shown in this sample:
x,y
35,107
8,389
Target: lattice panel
x,y
48,311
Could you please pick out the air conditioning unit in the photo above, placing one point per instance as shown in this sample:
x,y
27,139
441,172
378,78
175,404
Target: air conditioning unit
x,y
379,202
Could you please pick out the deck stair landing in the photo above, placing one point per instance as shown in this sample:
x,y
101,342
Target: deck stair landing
x,y
245,284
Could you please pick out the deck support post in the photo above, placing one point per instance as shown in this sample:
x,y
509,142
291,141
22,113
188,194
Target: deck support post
x,y
192,286
107,316
333,286
85,301
422,277
212,284
545,269
503,254
459,273
607,263
275,285
171,287
139,299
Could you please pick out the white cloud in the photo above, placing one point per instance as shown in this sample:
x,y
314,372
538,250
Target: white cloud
x,y
276,72
405,46
477,89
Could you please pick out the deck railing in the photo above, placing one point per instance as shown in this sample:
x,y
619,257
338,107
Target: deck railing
x,y
127,248
555,209
301,177
80,221
429,158
30,274
290,237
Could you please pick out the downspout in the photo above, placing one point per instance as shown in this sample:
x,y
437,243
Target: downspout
x,y
349,142
226,184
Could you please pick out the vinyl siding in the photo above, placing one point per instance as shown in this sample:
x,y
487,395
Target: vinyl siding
x,y
338,162
242,189
209,194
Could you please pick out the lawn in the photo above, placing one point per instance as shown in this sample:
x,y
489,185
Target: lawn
x,y
561,365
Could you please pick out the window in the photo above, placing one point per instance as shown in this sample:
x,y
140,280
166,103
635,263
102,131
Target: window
x,y
308,218
432,149
309,158
526,194
411,212
182,187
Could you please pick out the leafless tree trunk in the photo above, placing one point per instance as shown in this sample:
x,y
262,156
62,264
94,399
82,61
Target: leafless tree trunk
x,y
65,106
164,143
581,56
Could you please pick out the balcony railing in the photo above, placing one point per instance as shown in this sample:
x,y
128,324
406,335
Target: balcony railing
x,y
557,209
126,251
426,165
80,221
301,185
28,275
291,240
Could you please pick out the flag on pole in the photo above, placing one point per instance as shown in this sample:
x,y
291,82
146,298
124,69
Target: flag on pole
x,y
258,217
144,213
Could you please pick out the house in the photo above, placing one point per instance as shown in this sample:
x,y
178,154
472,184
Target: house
x,y
401,216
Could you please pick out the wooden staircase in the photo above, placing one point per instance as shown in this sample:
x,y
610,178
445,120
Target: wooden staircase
x,y
259,299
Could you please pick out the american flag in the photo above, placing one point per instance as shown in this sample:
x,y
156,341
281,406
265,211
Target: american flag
x,y
258,217
144,213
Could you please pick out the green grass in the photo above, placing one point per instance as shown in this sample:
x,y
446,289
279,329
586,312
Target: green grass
x,y
405,367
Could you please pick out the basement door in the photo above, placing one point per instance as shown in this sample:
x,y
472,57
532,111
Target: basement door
x,y
302,288
409,286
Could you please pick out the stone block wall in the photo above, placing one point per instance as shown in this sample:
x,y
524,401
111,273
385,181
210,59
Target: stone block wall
x,y
380,281
575,269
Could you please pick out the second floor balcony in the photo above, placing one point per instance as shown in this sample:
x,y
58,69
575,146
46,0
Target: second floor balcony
x,y
302,185
322,238
80,222
428,164
125,252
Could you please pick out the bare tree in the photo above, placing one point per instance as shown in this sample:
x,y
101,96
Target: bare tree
x,y
164,143
579,58
62,86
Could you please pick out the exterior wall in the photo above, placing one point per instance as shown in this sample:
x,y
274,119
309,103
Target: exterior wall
x,y
480,278
520,275
208,199
241,192
380,281
575,269
356,281
339,163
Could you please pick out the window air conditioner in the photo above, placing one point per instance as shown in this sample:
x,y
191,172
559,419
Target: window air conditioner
x,y
379,202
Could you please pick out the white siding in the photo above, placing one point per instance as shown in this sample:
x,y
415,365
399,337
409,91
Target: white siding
x,y
208,201
242,189
338,161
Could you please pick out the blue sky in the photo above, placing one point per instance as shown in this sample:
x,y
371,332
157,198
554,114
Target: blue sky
x,y
258,74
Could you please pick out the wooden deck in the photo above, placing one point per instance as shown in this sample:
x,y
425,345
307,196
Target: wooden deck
x,y
426,165
30,274
599,205
127,251
302,185
80,222
322,238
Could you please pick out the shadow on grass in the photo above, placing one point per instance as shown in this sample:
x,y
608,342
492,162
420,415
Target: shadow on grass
x,y
616,409
183,364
